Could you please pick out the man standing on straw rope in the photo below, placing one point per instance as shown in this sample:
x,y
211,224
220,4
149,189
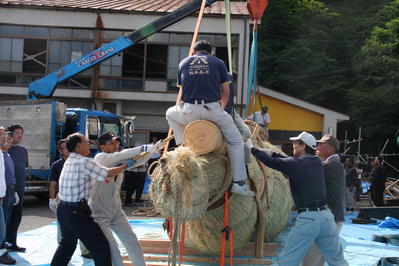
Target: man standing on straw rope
x,y
204,93
334,174
315,222
106,204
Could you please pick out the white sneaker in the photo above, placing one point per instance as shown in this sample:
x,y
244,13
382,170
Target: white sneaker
x,y
243,190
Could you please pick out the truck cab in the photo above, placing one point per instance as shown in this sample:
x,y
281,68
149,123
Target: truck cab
x,y
45,122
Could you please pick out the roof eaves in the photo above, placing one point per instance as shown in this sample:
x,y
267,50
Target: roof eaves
x,y
301,103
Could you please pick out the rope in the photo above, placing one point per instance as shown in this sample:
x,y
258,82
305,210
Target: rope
x,y
227,233
195,35
252,69
183,234
228,34
226,184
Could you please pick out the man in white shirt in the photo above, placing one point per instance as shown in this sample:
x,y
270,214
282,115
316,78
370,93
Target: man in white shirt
x,y
106,204
73,213
262,118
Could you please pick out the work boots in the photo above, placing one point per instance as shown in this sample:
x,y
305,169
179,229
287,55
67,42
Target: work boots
x,y
7,259
240,187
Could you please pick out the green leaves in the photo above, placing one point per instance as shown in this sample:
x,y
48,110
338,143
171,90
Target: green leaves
x,y
343,55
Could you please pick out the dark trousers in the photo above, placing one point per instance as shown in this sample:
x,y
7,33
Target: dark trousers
x,y
134,182
76,224
14,220
8,200
7,206
377,195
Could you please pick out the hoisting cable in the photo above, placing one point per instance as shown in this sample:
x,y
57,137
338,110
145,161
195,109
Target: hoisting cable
x,y
174,227
256,8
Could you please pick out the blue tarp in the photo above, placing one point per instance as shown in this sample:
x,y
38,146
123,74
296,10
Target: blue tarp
x,y
359,249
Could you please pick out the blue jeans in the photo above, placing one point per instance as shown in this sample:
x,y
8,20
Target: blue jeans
x,y
313,226
2,223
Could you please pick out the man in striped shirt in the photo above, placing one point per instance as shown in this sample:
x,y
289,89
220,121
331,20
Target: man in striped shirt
x,y
73,213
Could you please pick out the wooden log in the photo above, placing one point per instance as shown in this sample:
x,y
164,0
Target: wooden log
x,y
202,137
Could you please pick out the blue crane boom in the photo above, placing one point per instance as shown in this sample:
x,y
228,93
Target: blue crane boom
x,y
45,86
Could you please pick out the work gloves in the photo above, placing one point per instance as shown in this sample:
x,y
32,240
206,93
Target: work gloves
x,y
52,203
130,163
249,145
16,199
150,147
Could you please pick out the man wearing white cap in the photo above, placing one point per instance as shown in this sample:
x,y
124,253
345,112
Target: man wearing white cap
x,y
315,222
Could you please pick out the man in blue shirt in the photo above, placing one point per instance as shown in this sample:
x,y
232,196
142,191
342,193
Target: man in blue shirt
x,y
19,156
204,93
315,222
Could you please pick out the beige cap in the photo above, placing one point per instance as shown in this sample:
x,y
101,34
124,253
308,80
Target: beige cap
x,y
330,139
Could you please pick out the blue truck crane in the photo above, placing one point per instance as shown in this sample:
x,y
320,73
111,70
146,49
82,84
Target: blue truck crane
x,y
46,121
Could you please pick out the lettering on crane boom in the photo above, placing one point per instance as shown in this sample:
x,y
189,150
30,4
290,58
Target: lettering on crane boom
x,y
95,57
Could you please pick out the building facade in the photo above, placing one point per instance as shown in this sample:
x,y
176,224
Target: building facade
x,y
290,116
38,37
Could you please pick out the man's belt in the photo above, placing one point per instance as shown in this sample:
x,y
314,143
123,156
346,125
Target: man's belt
x,y
200,101
68,203
312,209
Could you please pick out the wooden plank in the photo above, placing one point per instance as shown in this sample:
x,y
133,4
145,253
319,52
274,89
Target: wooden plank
x,y
187,251
161,246
214,260
380,212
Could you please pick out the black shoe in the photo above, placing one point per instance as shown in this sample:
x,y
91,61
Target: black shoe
x,y
139,201
7,259
128,204
87,256
16,249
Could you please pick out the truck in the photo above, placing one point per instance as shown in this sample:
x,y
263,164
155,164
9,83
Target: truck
x,y
46,121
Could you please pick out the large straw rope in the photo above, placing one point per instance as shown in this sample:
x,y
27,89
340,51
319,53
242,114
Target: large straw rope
x,y
205,177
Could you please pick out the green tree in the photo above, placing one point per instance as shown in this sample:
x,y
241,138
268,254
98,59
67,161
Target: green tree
x,y
375,101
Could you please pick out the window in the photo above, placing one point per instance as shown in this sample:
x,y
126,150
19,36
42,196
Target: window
x,y
110,126
60,33
36,31
35,55
11,30
92,131
112,67
175,55
133,61
109,107
11,54
110,34
156,61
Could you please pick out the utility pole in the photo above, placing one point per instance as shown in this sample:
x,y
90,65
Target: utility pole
x,y
358,144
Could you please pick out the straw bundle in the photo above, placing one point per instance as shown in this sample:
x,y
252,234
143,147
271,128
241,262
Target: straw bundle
x,y
185,184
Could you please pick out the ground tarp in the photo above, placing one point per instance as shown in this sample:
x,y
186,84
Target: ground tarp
x,y
359,249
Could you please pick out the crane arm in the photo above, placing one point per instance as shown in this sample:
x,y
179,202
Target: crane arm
x,y
45,86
